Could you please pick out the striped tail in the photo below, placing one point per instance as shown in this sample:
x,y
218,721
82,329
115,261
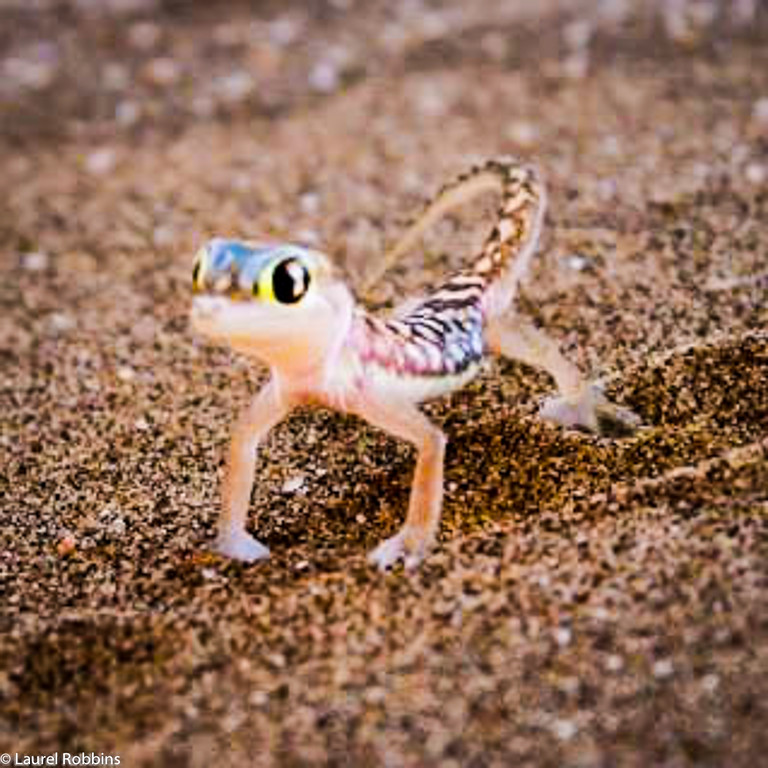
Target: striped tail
x,y
507,251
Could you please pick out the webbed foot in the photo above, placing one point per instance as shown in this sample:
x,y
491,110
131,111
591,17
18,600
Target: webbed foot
x,y
591,411
240,546
407,545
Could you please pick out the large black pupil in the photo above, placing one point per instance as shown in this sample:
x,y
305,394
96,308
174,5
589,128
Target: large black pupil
x,y
290,281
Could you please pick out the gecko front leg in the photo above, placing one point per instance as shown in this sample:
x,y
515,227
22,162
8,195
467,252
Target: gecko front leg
x,y
266,410
580,403
404,420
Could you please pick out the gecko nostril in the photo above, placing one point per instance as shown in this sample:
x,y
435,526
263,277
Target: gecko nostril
x,y
207,307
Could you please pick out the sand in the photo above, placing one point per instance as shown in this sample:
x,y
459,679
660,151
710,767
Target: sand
x,y
591,602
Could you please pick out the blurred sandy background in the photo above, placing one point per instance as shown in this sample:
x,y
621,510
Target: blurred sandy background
x,y
592,603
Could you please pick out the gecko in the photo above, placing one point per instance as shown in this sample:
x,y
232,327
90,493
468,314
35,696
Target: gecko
x,y
287,306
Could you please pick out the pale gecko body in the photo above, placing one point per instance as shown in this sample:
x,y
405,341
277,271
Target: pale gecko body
x,y
286,306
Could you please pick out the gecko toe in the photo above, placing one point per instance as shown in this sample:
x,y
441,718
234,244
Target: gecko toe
x,y
402,546
240,546
591,412
387,553
615,421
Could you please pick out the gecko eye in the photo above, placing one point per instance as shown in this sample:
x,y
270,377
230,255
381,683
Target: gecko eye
x,y
290,281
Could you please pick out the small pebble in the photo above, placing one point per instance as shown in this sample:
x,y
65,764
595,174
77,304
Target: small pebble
x,y
324,77
32,75
432,102
308,236
232,721
564,730
523,133
163,236
101,161
144,35
117,527
614,11
760,111
607,189
611,146
162,71
58,322
577,34
284,31
203,106
432,26
756,173
236,86
258,698
577,262
127,113
115,77
243,182
570,685
66,546
375,695
663,669
495,45
309,203
576,66
36,261
293,484
228,35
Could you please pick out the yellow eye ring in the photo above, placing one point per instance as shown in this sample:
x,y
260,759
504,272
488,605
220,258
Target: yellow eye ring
x,y
284,282
262,286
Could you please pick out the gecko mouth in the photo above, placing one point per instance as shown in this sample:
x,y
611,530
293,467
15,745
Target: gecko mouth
x,y
205,307
206,314
224,319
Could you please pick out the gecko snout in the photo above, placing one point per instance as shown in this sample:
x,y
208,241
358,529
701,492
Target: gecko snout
x,y
217,270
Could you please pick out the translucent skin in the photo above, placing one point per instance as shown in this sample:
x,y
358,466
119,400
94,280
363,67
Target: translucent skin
x,y
286,306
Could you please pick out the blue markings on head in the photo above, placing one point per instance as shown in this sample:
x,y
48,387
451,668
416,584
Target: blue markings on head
x,y
232,255
237,266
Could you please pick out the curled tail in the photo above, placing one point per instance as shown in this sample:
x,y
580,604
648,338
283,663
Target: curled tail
x,y
507,251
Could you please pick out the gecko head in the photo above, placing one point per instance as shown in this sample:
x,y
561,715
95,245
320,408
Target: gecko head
x,y
275,301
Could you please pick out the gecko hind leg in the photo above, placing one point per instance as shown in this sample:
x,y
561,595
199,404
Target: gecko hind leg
x,y
580,404
592,412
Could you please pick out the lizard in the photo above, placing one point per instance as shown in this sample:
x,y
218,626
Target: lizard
x,y
286,305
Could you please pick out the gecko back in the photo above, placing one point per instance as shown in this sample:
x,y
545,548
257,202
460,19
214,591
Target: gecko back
x,y
443,334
